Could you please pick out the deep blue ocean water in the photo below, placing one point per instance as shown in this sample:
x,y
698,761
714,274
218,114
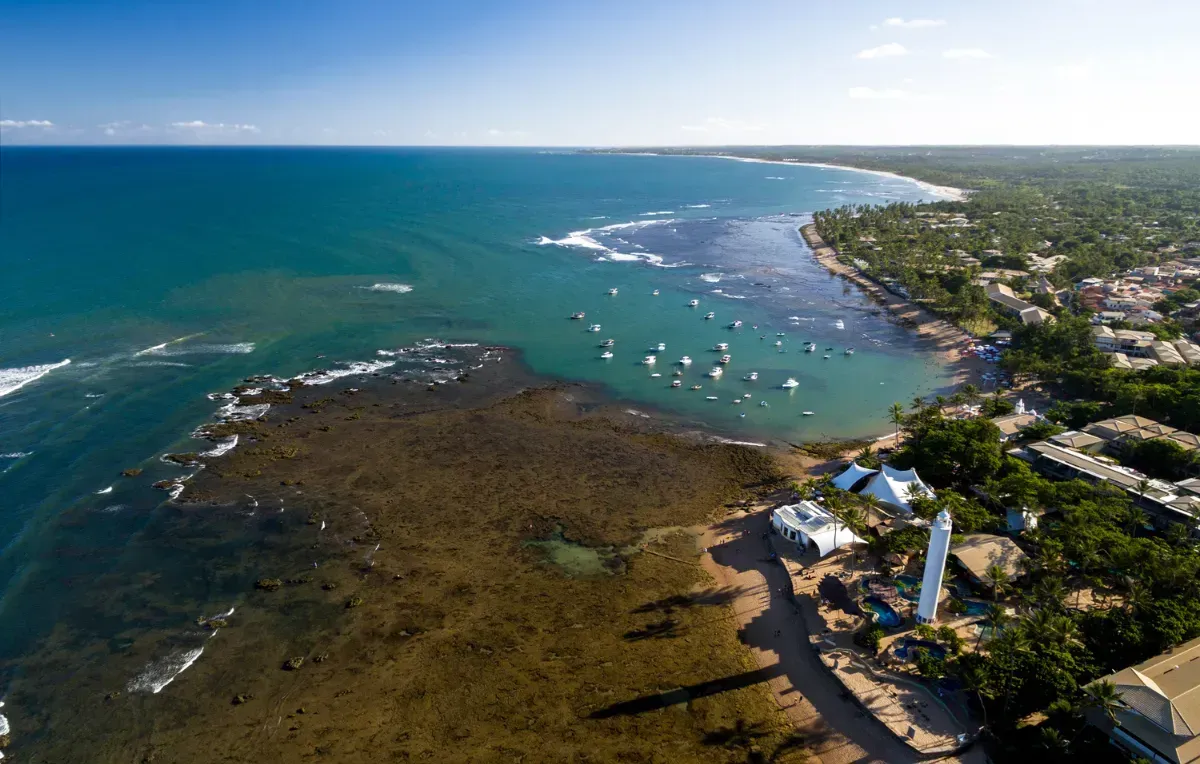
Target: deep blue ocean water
x,y
163,274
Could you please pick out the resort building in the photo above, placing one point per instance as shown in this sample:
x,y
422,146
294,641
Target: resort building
x,y
1012,424
808,524
1128,341
1008,302
894,488
978,552
1159,714
1080,441
853,476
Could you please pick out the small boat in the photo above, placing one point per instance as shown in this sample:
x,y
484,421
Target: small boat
x,y
807,413
721,346
790,384
578,316
693,303
780,334
655,375
778,343
756,326
662,346
606,354
715,372
828,349
849,351
594,328
711,398
685,361
708,316
648,360
763,403
742,415
751,376
676,383
695,387
677,373
747,396
810,348
655,293
735,325
826,356
726,358
839,324
762,336
613,290
607,343
737,401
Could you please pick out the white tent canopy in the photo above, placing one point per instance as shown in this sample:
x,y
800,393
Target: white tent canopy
x,y
894,487
851,476
807,522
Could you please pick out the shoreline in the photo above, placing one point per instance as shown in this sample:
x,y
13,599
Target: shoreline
x,y
948,193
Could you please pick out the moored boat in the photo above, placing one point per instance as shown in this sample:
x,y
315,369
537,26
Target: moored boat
x,y
751,376
715,372
693,303
606,354
594,328
648,360
707,316
578,316
613,290
685,361
721,346
726,358
790,384
676,383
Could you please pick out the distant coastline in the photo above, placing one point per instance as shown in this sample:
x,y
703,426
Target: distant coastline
x,y
947,193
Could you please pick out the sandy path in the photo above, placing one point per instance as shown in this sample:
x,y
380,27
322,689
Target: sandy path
x,y
770,624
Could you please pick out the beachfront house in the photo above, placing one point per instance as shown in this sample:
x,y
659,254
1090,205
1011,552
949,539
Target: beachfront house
x,y
807,524
1158,717
978,553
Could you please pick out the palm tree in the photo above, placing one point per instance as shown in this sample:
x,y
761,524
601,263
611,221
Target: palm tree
x,y
1104,697
971,393
999,578
976,679
896,416
1053,741
870,503
918,403
1049,593
996,618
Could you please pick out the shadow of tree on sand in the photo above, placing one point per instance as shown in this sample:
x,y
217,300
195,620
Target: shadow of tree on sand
x,y
688,693
707,598
665,629
751,739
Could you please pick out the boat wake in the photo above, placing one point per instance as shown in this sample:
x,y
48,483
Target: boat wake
x,y
385,287
586,239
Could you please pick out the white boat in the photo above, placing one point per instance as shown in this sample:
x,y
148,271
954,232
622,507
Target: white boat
x,y
807,413
685,361
613,290
747,396
607,343
790,384
826,355
810,348
655,375
849,351
677,373
763,403
721,346
695,387
737,400
715,372
735,324
676,383
778,343
751,376
742,415
780,334
655,293
606,354
648,360
839,324
711,398
662,346
726,358
594,328
708,316
693,303
578,316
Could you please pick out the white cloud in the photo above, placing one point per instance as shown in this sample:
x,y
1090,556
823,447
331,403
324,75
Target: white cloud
x,y
15,124
878,94
722,125
1077,72
218,127
914,23
495,133
962,53
883,51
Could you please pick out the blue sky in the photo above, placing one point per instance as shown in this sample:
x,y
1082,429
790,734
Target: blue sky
x,y
584,72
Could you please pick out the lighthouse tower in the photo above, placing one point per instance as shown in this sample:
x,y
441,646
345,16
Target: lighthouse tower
x,y
935,565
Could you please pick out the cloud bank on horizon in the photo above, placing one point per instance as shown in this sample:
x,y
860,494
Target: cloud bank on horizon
x,y
538,73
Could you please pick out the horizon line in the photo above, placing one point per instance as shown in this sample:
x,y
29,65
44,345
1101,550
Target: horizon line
x,y
637,147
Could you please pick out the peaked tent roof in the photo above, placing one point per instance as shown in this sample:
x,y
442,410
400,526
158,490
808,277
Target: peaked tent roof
x,y
851,476
892,486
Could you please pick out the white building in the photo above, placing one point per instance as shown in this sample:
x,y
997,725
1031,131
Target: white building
x,y
935,567
808,523
895,487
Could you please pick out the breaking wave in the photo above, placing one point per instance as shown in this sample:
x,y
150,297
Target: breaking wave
x,y
397,288
12,380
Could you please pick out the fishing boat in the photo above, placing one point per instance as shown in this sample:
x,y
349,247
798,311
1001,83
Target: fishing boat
x,y
849,351
613,290
661,346
735,324
649,360
715,372
810,348
790,384
676,383
693,303
606,354
721,346
578,316
695,387
607,343
655,293
726,358
685,361
594,328
807,413
778,343
751,376
708,316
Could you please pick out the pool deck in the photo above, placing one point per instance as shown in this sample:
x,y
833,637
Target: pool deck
x,y
908,708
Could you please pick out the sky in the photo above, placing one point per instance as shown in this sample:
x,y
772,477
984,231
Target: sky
x,y
599,72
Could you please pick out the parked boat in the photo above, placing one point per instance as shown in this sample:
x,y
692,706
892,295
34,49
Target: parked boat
x,y
721,346
607,343
807,413
778,343
685,361
676,383
763,403
711,398
578,316
747,396
655,293
811,347
655,375
790,384
648,360
827,356
662,346
735,325
752,376
613,290
695,387
594,328
849,351
715,372
726,358
677,373
694,303
708,316
606,354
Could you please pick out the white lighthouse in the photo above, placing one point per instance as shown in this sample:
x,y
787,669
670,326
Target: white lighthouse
x,y
935,565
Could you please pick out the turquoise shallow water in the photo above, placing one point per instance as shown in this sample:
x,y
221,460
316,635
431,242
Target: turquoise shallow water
x,y
280,260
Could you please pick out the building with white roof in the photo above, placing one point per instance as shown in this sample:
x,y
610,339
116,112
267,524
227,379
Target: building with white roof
x,y
895,487
852,476
809,523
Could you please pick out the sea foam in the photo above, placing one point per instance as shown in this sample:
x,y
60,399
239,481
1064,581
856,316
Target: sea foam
x,y
385,287
349,369
162,672
12,380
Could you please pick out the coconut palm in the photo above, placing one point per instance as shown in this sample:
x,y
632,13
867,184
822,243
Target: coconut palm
x,y
971,393
996,618
1104,697
999,578
896,416
918,403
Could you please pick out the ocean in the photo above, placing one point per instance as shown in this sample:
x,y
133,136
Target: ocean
x,y
136,281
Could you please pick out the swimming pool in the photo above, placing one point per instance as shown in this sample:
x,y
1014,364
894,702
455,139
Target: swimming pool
x,y
975,607
935,650
908,586
885,614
